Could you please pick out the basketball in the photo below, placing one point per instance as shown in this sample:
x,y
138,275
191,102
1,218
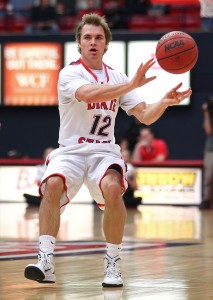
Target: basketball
x,y
176,52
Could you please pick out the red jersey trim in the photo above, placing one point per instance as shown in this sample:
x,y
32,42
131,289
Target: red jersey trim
x,y
74,63
88,70
106,72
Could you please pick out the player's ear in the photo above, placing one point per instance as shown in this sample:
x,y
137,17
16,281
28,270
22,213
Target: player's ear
x,y
106,48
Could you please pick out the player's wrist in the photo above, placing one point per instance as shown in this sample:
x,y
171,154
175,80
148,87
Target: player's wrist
x,y
130,86
165,102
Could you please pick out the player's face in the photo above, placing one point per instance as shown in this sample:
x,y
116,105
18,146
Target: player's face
x,y
92,42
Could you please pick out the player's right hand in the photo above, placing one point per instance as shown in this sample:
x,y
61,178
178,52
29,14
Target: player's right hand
x,y
140,78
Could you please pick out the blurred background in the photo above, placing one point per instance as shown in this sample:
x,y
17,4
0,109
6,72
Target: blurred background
x,y
38,40
31,59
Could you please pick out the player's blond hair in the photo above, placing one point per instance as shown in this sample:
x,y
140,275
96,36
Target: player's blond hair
x,y
93,19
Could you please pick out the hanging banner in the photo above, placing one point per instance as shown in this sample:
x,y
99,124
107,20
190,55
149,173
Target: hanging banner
x,y
30,73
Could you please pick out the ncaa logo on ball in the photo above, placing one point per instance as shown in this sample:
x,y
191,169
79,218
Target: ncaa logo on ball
x,y
174,45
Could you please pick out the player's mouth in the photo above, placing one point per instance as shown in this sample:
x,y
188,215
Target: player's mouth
x,y
93,50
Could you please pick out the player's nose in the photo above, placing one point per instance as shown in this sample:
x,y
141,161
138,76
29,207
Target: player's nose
x,y
93,42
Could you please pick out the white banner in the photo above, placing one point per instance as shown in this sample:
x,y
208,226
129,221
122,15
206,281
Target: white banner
x,y
168,185
141,51
18,180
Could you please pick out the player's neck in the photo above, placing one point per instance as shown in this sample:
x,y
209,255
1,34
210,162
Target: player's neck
x,y
92,64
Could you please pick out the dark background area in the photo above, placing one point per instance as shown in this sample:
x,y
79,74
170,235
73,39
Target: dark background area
x,y
31,129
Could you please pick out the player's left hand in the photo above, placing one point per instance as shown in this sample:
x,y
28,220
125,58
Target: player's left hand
x,y
174,97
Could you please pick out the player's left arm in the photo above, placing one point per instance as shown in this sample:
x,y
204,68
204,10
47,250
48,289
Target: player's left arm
x,y
149,113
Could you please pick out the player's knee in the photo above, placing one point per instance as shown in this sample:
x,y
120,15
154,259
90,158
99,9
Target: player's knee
x,y
112,191
54,186
55,182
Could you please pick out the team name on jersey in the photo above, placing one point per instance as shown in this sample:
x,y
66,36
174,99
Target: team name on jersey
x,y
82,140
103,105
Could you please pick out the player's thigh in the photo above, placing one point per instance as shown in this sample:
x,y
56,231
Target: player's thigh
x,y
70,168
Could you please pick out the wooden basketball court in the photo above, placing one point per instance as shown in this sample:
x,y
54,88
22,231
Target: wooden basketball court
x,y
167,255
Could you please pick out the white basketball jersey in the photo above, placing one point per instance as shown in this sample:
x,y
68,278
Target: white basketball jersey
x,y
94,122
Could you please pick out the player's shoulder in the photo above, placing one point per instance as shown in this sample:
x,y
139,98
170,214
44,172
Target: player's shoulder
x,y
71,67
75,63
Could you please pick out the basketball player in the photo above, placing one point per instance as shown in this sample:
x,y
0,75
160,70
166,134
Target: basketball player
x,y
90,93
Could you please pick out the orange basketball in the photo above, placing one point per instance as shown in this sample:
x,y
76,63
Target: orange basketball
x,y
176,52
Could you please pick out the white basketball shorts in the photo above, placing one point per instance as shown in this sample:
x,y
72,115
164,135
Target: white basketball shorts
x,y
83,164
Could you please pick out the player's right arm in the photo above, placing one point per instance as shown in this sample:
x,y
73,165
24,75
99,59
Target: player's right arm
x,y
101,93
